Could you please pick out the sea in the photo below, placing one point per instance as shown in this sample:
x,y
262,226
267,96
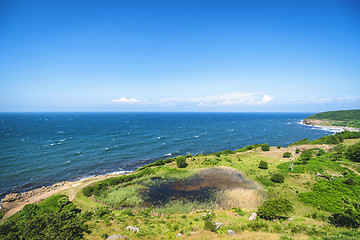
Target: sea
x,y
40,149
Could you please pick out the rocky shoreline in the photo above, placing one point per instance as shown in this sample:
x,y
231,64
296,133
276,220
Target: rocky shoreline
x,y
327,124
14,202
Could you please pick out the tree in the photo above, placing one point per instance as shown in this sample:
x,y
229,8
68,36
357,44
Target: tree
x,y
277,208
263,165
265,147
353,152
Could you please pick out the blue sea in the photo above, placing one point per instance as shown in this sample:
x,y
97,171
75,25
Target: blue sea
x,y
39,149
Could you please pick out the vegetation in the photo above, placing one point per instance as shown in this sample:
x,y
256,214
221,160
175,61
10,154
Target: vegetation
x,y
277,177
54,218
287,154
263,165
265,147
181,162
349,118
319,189
353,152
276,208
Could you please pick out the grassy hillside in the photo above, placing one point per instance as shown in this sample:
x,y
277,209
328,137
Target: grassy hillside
x,y
188,197
348,118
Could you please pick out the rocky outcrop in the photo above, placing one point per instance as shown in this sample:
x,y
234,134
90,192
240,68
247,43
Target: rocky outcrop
x,y
132,229
308,122
13,197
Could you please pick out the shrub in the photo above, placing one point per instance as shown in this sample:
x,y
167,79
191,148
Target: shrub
x,y
239,211
265,181
181,162
350,181
287,154
297,150
1,214
210,225
350,217
277,177
278,146
263,165
265,147
353,152
277,208
305,156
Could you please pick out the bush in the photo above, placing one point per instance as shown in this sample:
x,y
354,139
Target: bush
x,y
353,152
181,162
287,154
239,211
263,165
278,146
277,177
1,214
350,217
265,147
277,208
297,150
305,156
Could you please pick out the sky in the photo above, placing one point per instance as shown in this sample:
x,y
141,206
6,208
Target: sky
x,y
179,55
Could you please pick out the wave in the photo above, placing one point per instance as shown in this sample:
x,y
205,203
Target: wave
x,y
168,154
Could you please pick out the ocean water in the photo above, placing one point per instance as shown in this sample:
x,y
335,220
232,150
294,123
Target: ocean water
x,y
39,149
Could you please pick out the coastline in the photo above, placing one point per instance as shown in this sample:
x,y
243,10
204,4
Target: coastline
x,y
14,202
324,126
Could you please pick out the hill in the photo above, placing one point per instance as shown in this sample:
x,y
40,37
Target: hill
x,y
346,118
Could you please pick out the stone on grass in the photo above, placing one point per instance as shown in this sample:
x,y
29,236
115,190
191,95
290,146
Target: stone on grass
x,y
252,216
231,232
132,229
218,225
117,237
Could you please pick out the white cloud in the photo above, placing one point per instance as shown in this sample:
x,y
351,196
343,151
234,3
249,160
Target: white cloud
x,y
336,99
226,99
125,100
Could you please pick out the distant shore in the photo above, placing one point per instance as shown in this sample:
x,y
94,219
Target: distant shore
x,y
326,124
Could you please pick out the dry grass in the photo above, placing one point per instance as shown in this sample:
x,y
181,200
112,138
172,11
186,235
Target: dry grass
x,y
240,198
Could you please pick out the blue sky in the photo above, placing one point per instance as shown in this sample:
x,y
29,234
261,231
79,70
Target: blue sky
x,y
201,56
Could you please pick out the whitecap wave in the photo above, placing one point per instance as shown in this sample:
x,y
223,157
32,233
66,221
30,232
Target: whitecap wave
x,y
168,154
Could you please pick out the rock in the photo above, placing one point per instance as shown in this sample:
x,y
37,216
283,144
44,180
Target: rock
x,y
132,229
218,225
114,237
291,219
179,235
252,216
231,232
209,213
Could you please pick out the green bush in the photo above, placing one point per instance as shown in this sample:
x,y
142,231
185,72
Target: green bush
x,y
239,211
297,150
287,154
265,181
305,156
45,221
277,208
265,147
353,152
277,177
1,214
181,162
278,147
263,165
350,217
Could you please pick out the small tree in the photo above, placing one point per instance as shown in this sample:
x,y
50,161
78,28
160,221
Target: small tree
x,y
305,156
277,177
263,165
287,154
277,208
265,147
181,162
278,146
297,150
